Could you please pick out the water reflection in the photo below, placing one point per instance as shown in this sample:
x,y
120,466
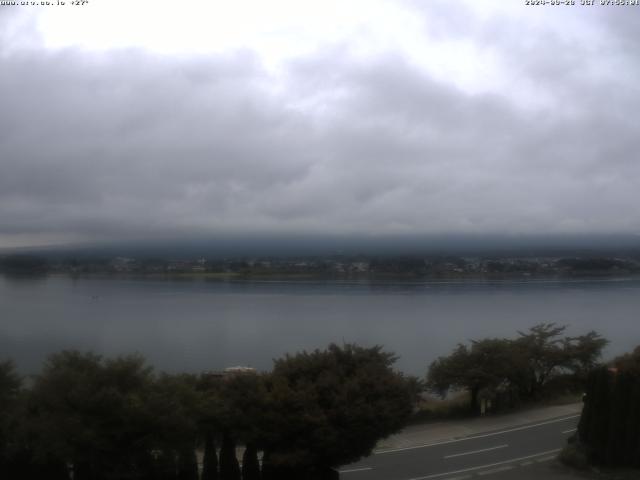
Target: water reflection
x,y
202,323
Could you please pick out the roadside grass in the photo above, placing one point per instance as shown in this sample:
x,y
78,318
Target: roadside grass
x,y
556,470
431,408
574,458
619,474
562,399
456,406
593,473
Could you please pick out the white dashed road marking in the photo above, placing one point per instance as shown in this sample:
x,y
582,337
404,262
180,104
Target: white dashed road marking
x,y
474,437
475,451
482,467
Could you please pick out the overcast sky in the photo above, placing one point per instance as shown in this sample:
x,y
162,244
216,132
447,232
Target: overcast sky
x,y
145,118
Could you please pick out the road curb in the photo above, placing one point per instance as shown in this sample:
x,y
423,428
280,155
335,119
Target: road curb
x,y
416,436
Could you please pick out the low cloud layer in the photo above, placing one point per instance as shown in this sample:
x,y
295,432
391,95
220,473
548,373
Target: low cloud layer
x,y
131,143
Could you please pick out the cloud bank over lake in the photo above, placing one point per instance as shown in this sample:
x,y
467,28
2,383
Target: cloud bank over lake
x,y
374,118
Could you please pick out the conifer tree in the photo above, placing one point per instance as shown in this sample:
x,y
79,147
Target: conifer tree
x,y
210,459
229,467
250,464
187,465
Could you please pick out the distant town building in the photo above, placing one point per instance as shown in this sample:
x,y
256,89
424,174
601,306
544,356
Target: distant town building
x,y
239,370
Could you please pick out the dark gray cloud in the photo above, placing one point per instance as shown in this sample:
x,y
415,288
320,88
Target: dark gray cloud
x,y
127,143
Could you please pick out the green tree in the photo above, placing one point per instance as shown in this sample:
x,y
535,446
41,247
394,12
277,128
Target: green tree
x,y
250,464
229,466
101,406
520,368
584,353
210,458
609,428
330,407
211,421
543,349
10,384
23,264
485,365
243,402
175,405
243,399
187,464
629,362
546,354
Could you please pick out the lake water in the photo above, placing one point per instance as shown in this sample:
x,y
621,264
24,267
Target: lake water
x,y
196,324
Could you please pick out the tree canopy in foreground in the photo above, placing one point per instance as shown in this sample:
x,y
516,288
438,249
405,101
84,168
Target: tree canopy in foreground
x,y
609,428
519,368
330,407
106,419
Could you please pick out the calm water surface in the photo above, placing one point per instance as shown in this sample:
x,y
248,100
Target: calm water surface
x,y
197,324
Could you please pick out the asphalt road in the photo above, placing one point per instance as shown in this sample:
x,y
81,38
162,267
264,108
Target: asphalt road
x,y
477,456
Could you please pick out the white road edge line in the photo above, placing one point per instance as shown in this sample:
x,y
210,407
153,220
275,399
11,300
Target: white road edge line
x,y
496,470
485,435
545,459
351,470
570,430
471,469
476,451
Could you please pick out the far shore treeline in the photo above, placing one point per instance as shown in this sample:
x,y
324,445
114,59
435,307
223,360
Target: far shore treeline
x,y
87,417
358,266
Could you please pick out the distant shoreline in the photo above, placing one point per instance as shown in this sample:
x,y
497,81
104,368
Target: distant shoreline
x,y
361,279
333,268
